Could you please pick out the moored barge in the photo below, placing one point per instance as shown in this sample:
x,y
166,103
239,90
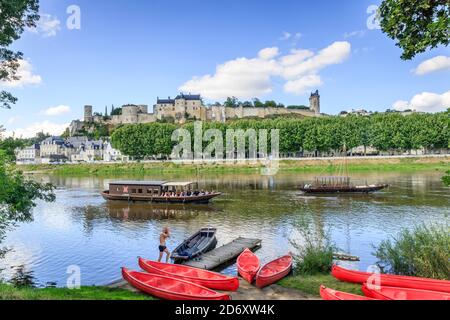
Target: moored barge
x,y
339,184
158,192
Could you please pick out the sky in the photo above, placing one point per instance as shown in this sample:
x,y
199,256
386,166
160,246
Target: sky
x,y
114,52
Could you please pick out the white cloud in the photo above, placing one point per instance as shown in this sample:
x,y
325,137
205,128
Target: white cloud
x,y
334,54
246,78
303,84
243,78
432,65
25,74
295,57
56,111
33,129
425,102
356,33
269,53
47,26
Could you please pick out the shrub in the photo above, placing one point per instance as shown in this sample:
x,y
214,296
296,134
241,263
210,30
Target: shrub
x,y
422,252
315,254
446,179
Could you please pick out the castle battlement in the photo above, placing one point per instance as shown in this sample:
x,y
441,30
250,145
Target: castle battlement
x,y
189,107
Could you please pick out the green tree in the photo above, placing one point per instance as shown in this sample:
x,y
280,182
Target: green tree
x,y
18,195
232,102
9,145
257,103
416,25
15,16
270,104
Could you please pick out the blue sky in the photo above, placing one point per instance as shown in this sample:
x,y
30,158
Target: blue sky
x,y
134,51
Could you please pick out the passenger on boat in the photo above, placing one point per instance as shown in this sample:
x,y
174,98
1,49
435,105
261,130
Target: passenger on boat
x,y
162,244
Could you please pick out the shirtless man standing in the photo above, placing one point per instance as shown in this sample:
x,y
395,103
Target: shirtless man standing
x,y
162,244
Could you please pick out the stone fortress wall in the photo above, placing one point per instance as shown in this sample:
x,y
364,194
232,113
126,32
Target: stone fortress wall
x,y
190,107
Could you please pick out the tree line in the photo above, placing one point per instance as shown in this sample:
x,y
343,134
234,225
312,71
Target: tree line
x,y
233,102
384,131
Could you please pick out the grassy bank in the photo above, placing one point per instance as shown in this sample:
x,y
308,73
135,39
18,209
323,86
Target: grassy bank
x,y
8,292
307,166
310,284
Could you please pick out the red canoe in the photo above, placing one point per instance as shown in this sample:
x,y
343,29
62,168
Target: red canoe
x,y
330,294
396,293
392,280
274,271
248,265
209,279
170,288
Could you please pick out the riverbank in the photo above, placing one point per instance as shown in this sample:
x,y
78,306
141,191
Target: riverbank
x,y
310,284
307,165
290,288
9,292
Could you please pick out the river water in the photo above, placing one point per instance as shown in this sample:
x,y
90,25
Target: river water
x,y
82,229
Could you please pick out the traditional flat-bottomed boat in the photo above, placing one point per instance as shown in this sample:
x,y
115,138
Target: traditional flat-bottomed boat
x,y
209,279
200,242
170,288
339,184
157,192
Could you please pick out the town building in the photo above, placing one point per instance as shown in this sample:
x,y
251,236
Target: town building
x,y
72,149
28,155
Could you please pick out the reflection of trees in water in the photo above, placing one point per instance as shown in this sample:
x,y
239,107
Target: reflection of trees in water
x,y
118,211
145,212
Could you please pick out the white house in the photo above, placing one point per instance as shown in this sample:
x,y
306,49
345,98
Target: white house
x,y
28,155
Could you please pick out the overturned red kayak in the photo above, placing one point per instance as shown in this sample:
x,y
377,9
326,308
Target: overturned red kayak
x,y
396,293
170,288
392,280
274,271
330,294
209,279
248,265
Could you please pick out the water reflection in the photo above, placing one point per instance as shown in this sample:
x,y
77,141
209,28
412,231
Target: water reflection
x,y
83,229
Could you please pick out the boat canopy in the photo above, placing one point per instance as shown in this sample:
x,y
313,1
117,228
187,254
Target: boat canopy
x,y
178,184
138,183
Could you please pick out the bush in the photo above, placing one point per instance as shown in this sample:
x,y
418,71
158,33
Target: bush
x,y
422,252
446,179
315,254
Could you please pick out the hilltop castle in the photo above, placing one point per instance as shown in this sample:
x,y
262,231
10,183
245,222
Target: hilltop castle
x,y
188,107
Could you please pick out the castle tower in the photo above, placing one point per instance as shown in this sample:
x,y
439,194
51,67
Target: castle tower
x,y
88,114
314,102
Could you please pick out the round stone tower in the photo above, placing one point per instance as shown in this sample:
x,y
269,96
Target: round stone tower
x,y
88,114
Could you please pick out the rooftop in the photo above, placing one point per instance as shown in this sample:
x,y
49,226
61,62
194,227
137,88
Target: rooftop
x,y
152,183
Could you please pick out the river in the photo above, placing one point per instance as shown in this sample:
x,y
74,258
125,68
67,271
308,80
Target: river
x,y
82,229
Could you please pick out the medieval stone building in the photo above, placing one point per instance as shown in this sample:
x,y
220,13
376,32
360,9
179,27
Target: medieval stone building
x,y
186,107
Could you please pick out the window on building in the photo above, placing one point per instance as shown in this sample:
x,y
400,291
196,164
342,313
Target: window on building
x,y
140,191
133,190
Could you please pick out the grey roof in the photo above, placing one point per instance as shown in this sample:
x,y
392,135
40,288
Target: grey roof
x,y
189,96
51,140
140,183
165,101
